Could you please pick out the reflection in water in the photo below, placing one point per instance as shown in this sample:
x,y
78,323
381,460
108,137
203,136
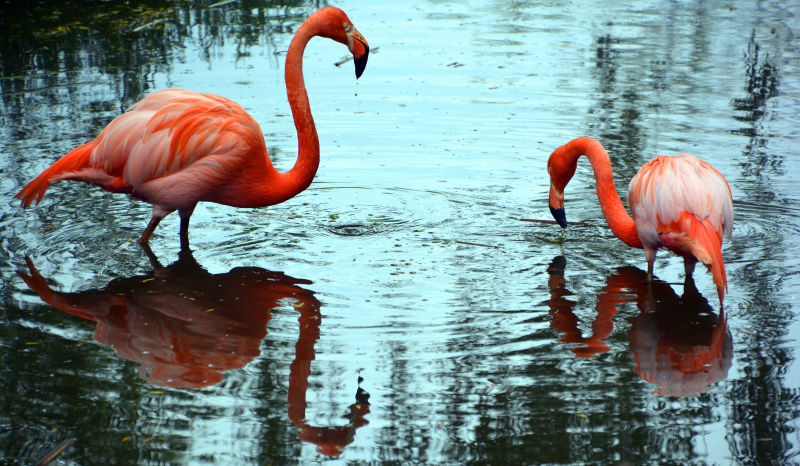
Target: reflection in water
x,y
764,414
759,164
677,342
762,85
443,329
618,108
184,327
566,322
46,47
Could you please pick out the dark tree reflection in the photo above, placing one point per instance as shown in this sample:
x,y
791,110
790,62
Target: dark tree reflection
x,y
764,408
617,113
752,109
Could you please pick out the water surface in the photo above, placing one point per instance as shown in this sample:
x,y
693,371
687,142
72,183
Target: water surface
x,y
404,272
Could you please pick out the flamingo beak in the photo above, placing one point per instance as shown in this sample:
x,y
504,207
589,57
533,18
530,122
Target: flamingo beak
x,y
360,54
557,206
560,216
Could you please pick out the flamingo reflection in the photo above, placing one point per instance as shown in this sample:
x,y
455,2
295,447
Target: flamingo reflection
x,y
185,327
677,342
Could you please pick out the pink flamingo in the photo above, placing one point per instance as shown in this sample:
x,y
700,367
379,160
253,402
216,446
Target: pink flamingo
x,y
176,148
678,203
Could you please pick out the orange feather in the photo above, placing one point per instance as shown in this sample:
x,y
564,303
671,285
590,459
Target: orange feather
x,y
65,168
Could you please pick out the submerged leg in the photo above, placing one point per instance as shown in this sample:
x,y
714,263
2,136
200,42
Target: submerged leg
x,y
688,267
184,233
650,255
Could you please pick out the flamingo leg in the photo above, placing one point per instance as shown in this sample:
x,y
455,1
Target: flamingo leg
x,y
148,232
650,255
688,266
184,232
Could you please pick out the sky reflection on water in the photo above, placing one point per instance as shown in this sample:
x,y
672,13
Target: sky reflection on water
x,y
464,323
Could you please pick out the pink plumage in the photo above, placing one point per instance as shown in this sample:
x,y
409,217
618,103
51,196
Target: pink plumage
x,y
685,205
171,149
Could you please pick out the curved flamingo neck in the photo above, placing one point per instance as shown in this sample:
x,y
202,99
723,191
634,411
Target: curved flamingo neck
x,y
620,222
302,173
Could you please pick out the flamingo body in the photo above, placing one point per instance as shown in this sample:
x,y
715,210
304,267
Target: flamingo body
x,y
175,148
678,203
172,149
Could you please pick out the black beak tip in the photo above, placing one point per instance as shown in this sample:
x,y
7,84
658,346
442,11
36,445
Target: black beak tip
x,y
361,62
560,216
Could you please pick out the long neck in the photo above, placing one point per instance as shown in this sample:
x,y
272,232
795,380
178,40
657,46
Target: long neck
x,y
622,225
300,176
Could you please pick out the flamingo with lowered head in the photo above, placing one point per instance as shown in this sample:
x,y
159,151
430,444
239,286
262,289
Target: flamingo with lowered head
x,y
175,148
679,203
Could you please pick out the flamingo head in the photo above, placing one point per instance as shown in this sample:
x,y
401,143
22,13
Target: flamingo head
x,y
561,170
358,47
337,26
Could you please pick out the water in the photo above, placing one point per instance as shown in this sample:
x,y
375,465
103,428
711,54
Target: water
x,y
404,271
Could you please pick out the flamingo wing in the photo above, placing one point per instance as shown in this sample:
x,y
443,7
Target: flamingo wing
x,y
174,148
666,189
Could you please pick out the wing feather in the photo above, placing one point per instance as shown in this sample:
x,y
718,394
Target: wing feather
x,y
172,130
668,187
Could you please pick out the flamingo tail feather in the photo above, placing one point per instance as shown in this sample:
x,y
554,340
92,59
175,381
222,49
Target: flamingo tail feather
x,y
700,239
62,169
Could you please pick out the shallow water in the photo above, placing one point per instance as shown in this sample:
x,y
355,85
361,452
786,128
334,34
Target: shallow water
x,y
404,271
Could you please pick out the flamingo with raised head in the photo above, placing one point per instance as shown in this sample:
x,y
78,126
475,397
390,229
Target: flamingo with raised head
x,y
176,148
679,203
